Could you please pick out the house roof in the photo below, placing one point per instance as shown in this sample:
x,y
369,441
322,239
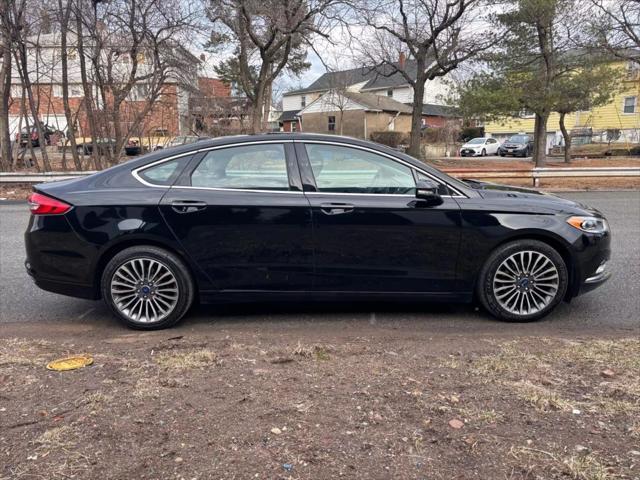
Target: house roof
x,y
434,110
377,102
376,77
288,115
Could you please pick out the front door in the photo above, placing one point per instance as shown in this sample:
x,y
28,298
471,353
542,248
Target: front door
x,y
370,232
240,214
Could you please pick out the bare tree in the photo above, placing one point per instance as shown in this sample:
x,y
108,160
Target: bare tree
x,y
20,26
64,12
128,52
617,26
435,36
5,87
267,37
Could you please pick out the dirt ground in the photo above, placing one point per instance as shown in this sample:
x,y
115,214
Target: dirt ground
x,y
238,405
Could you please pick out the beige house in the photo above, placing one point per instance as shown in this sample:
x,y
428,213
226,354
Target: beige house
x,y
354,114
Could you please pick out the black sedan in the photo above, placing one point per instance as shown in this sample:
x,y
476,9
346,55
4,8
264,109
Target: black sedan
x,y
296,216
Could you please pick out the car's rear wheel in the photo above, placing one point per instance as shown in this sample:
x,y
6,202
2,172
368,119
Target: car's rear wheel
x,y
523,281
147,287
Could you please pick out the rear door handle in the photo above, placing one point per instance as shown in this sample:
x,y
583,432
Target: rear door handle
x,y
188,206
336,208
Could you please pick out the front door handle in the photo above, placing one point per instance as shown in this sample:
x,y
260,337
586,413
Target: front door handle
x,y
188,206
336,208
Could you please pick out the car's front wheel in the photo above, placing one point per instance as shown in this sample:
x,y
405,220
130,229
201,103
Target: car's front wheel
x,y
523,281
147,287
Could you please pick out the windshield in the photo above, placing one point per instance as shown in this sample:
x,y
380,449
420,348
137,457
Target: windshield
x,y
476,141
518,139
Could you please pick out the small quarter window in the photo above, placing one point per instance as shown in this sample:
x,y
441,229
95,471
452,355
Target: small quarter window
x,y
254,167
164,174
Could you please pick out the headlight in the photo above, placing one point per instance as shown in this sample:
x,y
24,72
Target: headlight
x,y
589,224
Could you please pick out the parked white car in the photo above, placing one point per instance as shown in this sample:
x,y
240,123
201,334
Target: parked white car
x,y
480,146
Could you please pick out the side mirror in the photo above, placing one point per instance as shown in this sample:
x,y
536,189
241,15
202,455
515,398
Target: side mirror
x,y
427,190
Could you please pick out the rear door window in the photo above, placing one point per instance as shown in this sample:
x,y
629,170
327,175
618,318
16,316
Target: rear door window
x,y
253,167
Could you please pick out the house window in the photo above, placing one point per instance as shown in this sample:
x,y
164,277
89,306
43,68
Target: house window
x,y
76,91
332,124
16,91
57,91
629,105
294,126
526,113
303,101
633,69
390,92
139,92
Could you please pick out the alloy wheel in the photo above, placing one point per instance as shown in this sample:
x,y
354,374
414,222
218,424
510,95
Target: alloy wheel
x,y
526,282
144,290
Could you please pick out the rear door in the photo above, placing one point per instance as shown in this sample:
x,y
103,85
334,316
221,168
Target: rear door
x,y
240,213
371,233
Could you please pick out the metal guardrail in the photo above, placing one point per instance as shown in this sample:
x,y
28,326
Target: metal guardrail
x,y
535,174
16,177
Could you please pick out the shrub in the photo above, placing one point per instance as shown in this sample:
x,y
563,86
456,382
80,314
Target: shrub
x,y
390,139
467,133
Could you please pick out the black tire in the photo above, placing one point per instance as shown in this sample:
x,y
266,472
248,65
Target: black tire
x,y
485,287
501,154
483,153
173,264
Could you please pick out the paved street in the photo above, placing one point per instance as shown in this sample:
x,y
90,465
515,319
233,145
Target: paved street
x,y
615,306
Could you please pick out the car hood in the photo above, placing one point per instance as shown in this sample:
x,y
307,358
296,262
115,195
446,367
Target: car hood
x,y
528,199
471,145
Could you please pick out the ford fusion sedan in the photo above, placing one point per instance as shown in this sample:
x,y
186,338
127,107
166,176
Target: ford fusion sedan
x,y
479,147
301,216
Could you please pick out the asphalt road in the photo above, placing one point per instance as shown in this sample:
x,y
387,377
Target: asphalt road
x,y
615,307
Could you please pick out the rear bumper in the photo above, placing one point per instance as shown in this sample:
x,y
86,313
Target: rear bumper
x,y
62,288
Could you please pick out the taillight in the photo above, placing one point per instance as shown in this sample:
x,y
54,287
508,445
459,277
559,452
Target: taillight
x,y
42,205
34,135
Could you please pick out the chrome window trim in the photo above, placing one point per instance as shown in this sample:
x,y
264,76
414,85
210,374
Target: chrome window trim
x,y
136,175
246,190
396,159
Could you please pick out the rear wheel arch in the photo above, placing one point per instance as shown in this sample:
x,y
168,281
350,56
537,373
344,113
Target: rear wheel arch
x,y
118,247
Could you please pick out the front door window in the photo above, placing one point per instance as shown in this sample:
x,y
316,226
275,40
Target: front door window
x,y
339,169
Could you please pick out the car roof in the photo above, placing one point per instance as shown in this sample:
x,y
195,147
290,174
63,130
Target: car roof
x,y
270,137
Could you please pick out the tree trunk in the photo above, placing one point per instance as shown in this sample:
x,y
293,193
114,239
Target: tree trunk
x,y
416,114
88,94
5,87
257,110
23,70
540,140
567,139
71,136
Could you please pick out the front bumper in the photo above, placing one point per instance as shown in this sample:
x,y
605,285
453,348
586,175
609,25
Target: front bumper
x,y
519,151
601,275
468,152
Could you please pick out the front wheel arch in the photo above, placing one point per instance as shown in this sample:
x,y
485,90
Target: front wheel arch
x,y
555,243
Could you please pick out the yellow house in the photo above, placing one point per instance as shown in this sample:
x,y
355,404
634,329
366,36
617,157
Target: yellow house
x,y
622,113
